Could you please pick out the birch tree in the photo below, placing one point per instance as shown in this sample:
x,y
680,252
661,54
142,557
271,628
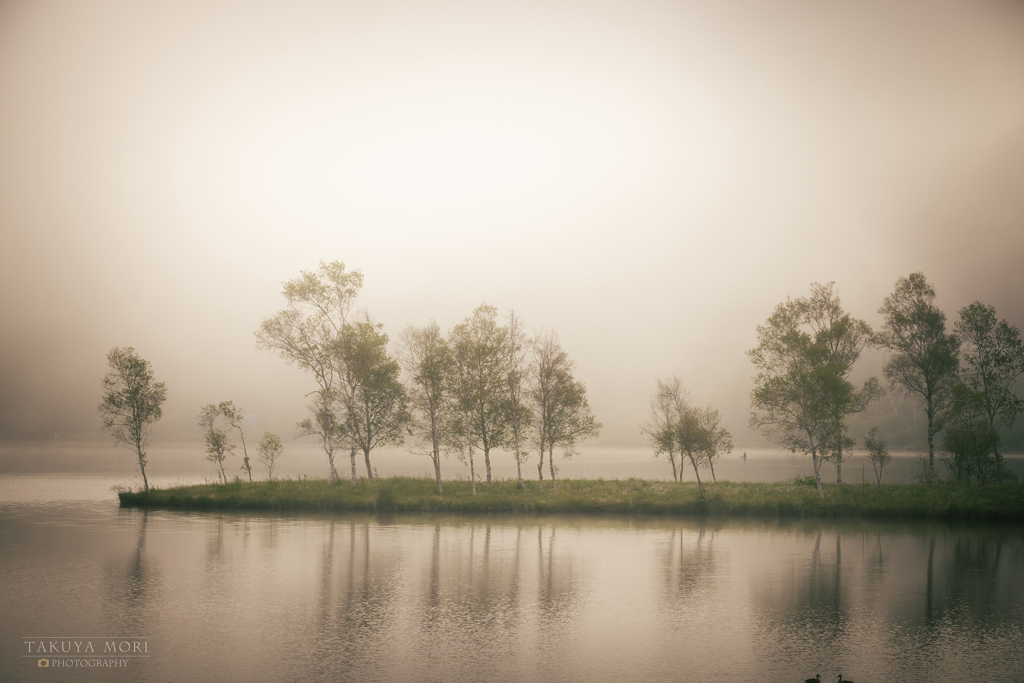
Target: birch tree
x,y
794,388
218,447
379,408
269,450
234,417
563,415
479,345
923,360
427,358
131,402
519,413
307,334
669,399
843,338
717,439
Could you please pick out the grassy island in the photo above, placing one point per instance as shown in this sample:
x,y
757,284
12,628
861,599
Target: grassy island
x,y
795,498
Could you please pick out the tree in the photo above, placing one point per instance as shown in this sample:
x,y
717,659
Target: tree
x,y
427,358
669,399
877,452
307,333
235,417
519,413
843,338
131,402
563,415
717,439
969,437
379,401
924,358
800,392
218,448
994,356
479,347
269,450
692,437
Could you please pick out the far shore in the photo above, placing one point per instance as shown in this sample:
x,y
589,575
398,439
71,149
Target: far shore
x,y
796,498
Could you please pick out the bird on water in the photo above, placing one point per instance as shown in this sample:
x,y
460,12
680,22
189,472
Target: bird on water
x,y
842,681
816,679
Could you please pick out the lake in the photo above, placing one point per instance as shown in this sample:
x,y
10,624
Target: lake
x,y
180,596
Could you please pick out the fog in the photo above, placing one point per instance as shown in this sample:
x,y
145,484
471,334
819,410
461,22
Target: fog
x,y
649,179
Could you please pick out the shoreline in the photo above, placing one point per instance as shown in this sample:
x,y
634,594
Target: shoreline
x,y
798,498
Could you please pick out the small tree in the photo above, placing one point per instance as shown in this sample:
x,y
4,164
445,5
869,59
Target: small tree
x,y
692,437
969,438
218,448
669,399
235,417
877,452
718,439
131,402
269,450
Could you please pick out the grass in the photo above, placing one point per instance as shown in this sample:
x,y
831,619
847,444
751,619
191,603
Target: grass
x,y
796,498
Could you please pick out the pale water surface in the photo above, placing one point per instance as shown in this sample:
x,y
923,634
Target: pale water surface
x,y
262,597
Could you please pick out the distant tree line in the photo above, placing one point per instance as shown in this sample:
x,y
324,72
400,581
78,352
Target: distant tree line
x,y
964,380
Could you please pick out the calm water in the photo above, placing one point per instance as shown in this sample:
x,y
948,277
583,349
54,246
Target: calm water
x,y
228,597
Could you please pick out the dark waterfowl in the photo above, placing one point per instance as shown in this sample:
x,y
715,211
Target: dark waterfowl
x,y
816,679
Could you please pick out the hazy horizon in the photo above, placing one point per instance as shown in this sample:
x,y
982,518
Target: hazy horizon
x,y
648,179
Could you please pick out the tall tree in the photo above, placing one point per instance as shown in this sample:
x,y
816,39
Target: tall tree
x,y
670,398
842,338
924,359
218,447
380,411
307,333
563,415
994,356
427,358
131,402
519,413
796,387
235,416
479,345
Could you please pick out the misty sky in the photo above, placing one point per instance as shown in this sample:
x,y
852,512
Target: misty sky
x,y
647,178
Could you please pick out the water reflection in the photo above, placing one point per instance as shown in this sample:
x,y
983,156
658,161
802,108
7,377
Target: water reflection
x,y
326,598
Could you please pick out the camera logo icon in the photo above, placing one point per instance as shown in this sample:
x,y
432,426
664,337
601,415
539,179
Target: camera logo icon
x,y
43,663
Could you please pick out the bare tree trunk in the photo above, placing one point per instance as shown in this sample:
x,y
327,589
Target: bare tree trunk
x,y
519,468
839,462
700,486
366,456
472,472
540,465
142,466
437,470
672,459
487,462
222,474
551,464
711,464
816,461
